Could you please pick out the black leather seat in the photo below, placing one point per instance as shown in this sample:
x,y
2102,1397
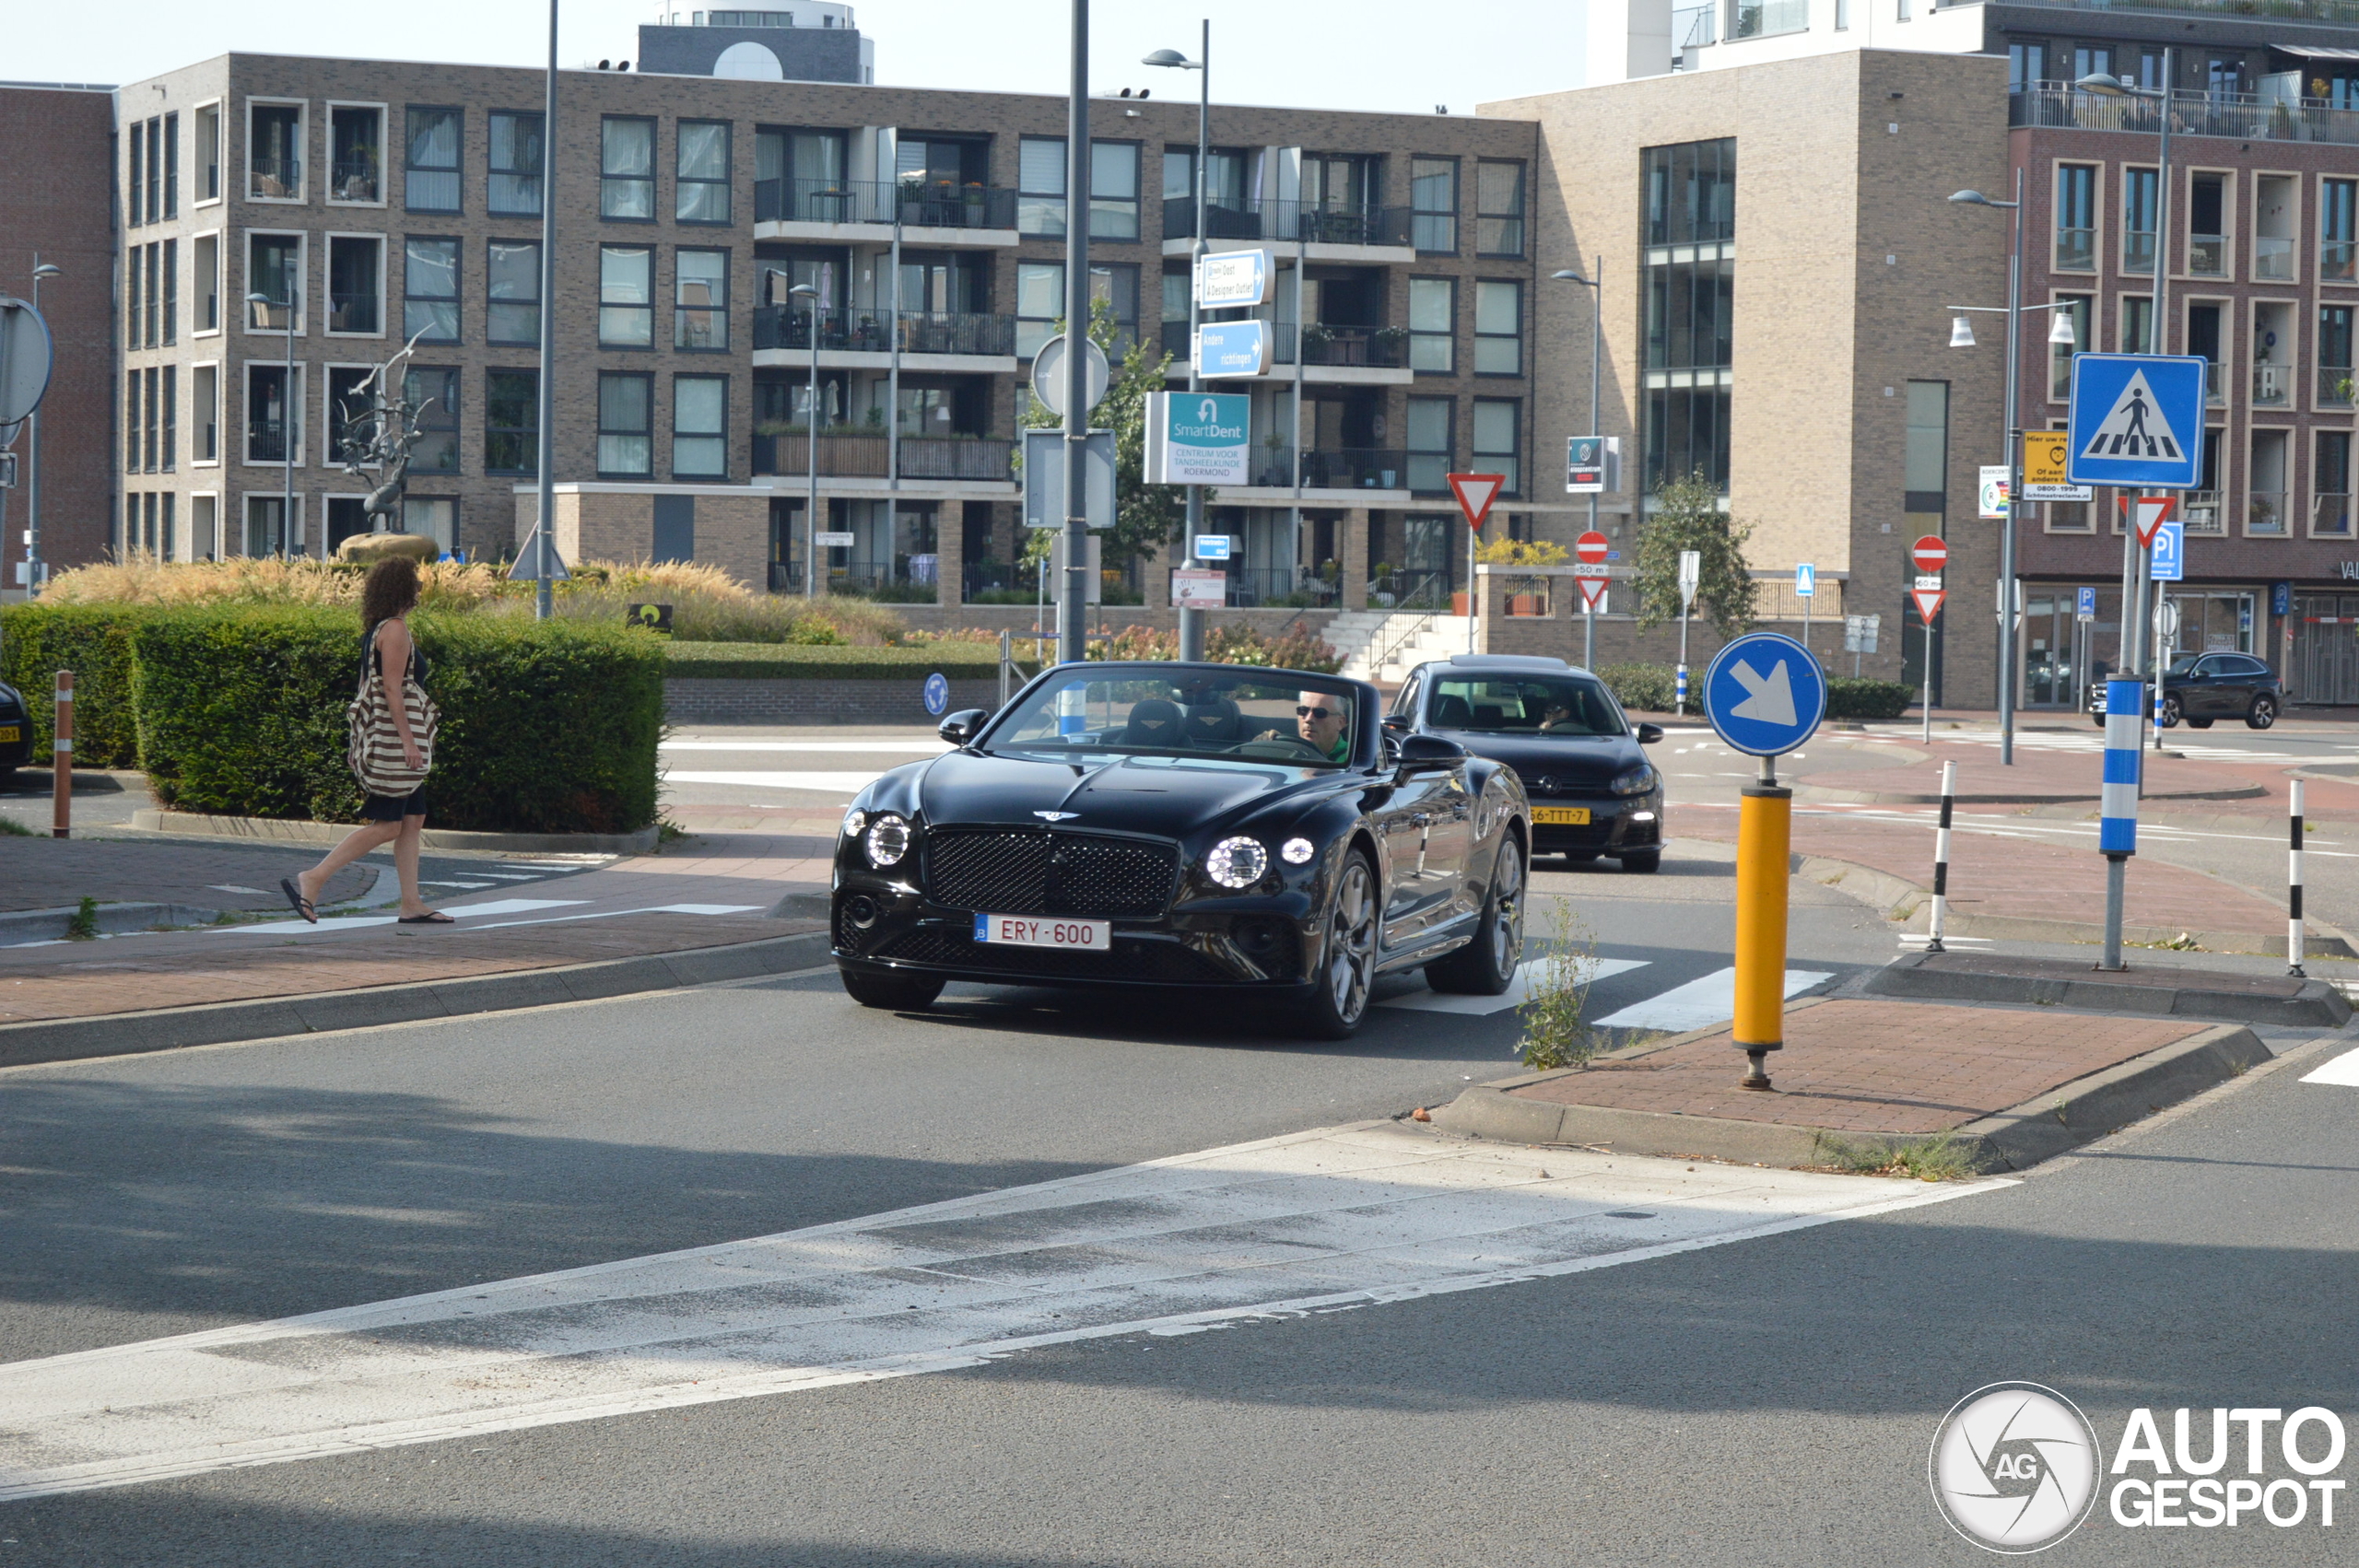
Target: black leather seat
x,y
1452,713
1154,722
1214,723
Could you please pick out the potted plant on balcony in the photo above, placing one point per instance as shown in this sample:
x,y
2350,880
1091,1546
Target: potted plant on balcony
x,y
1387,344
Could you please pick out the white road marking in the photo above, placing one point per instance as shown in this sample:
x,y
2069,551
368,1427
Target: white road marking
x,y
845,783
354,922
511,876
230,887
1589,972
2343,1070
471,886
650,909
927,747
1318,1221
1699,1005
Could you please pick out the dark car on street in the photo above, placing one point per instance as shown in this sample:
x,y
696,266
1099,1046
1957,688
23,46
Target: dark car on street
x,y
2204,687
1592,790
16,731
1254,838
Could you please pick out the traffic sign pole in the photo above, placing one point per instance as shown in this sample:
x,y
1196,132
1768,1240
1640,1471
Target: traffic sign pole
x,y
1591,549
1691,575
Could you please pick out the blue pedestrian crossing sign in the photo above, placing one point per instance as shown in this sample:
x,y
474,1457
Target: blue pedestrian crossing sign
x,y
1765,694
2170,552
2137,420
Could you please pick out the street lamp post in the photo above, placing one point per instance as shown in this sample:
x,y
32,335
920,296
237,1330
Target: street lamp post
x,y
1073,645
1191,620
1596,285
288,407
811,432
32,437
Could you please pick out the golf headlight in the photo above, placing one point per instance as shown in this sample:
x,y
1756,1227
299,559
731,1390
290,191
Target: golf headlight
x,y
1236,862
888,840
855,823
1638,781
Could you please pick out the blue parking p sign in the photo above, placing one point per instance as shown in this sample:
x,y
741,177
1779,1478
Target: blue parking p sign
x,y
2137,420
2170,552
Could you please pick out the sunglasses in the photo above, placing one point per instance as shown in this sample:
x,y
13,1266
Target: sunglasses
x,y
1318,713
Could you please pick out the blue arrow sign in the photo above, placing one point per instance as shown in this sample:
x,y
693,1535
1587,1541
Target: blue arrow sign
x,y
2170,552
937,694
1765,694
2137,420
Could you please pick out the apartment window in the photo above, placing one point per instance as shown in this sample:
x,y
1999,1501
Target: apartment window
x,y
430,290
1498,328
1499,208
169,458
511,421
1432,321
269,410
2139,226
700,299
356,284
2076,232
2330,485
268,529
152,259
144,322
431,181
172,124
134,279
626,423
204,414
346,405
2059,355
274,263
2137,325
1498,425
1040,302
172,291
1113,188
627,169
699,426
152,131
1690,306
2203,340
135,184
1430,450
514,190
1691,193
151,420
208,153
1040,185
203,522
1925,453
2337,199
702,192
355,153
1687,435
625,297
433,389
2271,467
2207,226
165,544
131,421
2334,355
512,285
273,152
1433,204
207,279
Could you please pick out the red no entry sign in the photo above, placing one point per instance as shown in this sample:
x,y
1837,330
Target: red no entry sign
x,y
1591,547
1929,553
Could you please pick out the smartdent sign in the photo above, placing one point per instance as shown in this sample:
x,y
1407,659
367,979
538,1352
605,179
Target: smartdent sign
x,y
1198,438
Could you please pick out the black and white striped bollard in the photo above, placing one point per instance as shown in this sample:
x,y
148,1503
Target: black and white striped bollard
x,y
2294,881
1942,859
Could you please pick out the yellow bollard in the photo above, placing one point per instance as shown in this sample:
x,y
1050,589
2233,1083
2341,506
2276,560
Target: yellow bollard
x,y
1764,832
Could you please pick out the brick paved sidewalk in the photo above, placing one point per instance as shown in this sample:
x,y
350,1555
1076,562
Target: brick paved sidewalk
x,y
47,873
2038,777
1873,1067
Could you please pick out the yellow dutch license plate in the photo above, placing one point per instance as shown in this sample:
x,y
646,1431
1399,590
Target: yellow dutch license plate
x,y
1561,817
11,733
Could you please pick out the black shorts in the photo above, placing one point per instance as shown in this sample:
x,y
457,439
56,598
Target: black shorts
x,y
393,807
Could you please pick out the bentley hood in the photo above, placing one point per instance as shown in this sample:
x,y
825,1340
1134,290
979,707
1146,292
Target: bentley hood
x,y
1169,797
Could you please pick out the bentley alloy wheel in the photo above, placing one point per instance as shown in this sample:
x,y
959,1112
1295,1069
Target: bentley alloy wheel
x,y
1348,956
1485,966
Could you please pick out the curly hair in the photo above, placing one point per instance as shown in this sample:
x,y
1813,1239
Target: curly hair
x,y
390,589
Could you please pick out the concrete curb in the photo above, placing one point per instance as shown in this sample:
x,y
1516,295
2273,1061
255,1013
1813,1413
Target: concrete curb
x,y
1913,976
1825,795
50,925
194,825
163,1029
2074,1114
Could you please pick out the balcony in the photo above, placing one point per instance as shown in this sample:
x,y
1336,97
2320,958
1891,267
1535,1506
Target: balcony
x,y
2335,258
863,453
1312,223
2341,12
2265,511
2272,258
2207,255
2335,386
2215,384
2138,251
912,204
1323,347
2076,250
275,179
1764,19
265,441
2272,386
2232,116
2200,511
352,313
2331,515
354,179
1276,588
788,327
1341,468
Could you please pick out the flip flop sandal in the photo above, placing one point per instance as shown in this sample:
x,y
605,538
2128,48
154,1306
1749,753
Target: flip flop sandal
x,y
295,897
431,918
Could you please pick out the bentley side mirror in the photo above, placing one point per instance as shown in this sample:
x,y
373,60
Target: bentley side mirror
x,y
963,726
1397,722
1429,754
1649,733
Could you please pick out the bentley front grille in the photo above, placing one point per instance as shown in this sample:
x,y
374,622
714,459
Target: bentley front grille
x,y
1022,872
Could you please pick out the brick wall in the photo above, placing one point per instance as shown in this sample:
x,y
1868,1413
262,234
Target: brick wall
x,y
690,702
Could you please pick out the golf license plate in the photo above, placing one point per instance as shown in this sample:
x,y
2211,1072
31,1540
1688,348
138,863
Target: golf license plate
x,y
12,732
1561,817
1029,931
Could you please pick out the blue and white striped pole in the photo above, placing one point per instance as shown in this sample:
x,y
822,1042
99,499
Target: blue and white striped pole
x,y
2294,885
2117,802
1680,692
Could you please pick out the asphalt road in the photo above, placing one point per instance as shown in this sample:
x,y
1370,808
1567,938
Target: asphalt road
x,y
1767,1401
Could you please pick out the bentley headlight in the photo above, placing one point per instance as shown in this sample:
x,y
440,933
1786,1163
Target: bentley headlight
x,y
855,822
1236,862
888,840
1298,851
1638,781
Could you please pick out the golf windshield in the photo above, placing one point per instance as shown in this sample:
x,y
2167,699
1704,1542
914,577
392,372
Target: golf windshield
x,y
1564,707
1169,711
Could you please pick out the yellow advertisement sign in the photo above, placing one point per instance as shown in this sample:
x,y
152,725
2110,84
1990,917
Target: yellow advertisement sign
x,y
2044,460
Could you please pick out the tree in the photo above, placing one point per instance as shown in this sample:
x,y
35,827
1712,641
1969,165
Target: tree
x,y
1687,516
1145,516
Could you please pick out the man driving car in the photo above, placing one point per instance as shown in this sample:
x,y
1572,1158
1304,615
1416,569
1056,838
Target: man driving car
x,y
1318,719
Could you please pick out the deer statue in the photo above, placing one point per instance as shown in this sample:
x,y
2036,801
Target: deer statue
x,y
380,437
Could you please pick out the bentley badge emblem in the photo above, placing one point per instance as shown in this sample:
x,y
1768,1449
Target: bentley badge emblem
x,y
1056,817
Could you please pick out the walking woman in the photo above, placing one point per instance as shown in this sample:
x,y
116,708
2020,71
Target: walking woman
x,y
387,596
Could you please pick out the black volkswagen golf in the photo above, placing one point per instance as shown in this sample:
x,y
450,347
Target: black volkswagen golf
x,y
1254,836
1592,790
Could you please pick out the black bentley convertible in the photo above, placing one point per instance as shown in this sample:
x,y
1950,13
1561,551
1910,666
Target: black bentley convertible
x,y
1250,835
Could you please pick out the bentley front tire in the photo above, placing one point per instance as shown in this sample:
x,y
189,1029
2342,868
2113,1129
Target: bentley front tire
x,y
1486,966
895,993
1346,972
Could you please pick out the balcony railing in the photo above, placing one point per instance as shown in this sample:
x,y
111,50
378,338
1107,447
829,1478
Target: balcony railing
x,y
989,581
2345,12
864,455
354,179
2335,386
265,441
1314,223
2200,511
2233,116
2272,257
2207,255
2265,512
1409,588
2335,258
1338,468
2138,251
2330,514
352,313
869,332
2215,383
915,203
276,177
1760,18
2272,385
1276,586
2076,250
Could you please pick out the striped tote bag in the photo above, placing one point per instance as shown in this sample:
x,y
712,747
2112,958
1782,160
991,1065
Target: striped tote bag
x,y
374,749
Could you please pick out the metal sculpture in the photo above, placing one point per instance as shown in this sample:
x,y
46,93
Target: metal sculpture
x,y
380,437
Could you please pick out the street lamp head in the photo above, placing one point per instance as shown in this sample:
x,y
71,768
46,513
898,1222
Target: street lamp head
x,y
47,270
805,290
1172,58
1569,275
1961,333
2097,81
260,299
1973,199
2060,331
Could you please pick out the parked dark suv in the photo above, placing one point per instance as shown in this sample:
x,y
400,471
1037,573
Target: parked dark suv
x,y
2201,688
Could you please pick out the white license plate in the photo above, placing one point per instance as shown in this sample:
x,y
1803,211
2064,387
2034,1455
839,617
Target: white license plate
x,y
1029,930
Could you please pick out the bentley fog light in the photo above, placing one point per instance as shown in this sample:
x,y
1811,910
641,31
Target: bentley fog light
x,y
1236,862
854,821
1638,781
1295,852
888,840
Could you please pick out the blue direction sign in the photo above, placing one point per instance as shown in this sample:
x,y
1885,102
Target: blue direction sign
x,y
1233,348
1765,694
2170,552
937,694
2137,420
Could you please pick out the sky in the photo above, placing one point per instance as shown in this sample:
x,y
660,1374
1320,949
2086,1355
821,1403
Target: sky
x,y
1376,55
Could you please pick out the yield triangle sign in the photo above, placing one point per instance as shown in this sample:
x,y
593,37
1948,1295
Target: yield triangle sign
x,y
1592,591
1475,492
2147,515
1929,602
2133,427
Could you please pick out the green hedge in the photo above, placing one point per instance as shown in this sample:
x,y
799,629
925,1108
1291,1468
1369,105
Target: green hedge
x,y
547,727
1653,687
1650,688
94,641
1847,698
772,660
